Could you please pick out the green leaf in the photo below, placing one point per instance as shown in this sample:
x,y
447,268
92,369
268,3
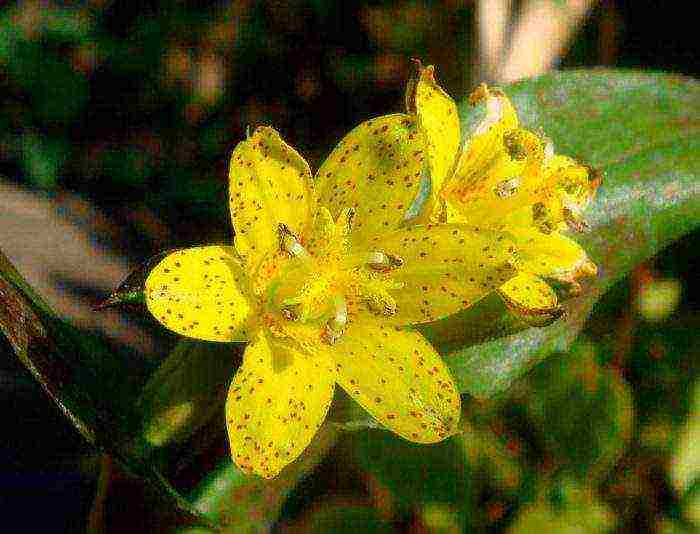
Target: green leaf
x,y
580,413
641,130
344,518
412,473
565,507
242,503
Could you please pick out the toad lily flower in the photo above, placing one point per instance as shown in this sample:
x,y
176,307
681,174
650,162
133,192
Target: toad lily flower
x,y
505,178
321,291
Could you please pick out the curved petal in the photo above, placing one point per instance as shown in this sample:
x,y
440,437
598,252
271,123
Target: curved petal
x,y
276,403
493,117
569,187
445,268
506,176
203,293
377,169
399,378
439,121
553,256
269,183
531,299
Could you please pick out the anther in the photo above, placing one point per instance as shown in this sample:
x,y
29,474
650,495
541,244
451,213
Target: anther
x,y
574,222
335,326
289,242
507,188
382,261
290,312
513,143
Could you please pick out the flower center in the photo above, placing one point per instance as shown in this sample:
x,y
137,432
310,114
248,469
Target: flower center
x,y
321,278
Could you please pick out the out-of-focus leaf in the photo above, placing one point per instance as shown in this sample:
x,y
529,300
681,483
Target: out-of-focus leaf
x,y
58,91
342,517
583,413
243,503
186,391
414,473
567,508
82,376
685,463
658,299
663,365
42,159
485,450
641,130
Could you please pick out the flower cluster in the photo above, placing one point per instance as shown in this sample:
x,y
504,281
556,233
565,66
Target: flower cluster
x,y
402,224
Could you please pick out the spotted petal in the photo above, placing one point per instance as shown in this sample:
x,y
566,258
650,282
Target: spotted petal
x,y
269,183
399,378
438,120
505,177
203,293
551,256
276,403
378,170
569,187
531,299
445,268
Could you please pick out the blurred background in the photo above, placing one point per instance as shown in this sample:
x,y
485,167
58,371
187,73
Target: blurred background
x,y
116,121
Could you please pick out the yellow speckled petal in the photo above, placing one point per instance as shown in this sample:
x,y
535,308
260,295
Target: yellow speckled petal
x,y
276,403
329,239
438,119
399,378
569,187
484,140
378,170
553,256
507,176
531,299
202,292
446,268
269,183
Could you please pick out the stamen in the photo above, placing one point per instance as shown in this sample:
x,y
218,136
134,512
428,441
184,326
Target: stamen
x,y
335,326
289,242
548,148
574,221
290,312
514,145
507,188
381,261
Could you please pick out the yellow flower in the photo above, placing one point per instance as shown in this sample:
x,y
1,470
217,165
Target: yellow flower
x,y
322,291
506,178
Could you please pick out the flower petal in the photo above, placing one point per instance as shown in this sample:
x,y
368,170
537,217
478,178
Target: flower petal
x,y
506,176
531,299
378,170
553,256
269,183
203,293
439,121
399,378
276,403
569,187
446,268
